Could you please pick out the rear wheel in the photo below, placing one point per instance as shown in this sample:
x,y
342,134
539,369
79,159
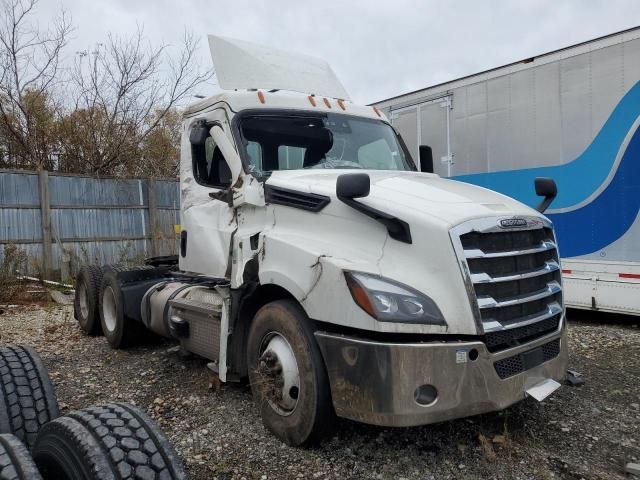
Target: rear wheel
x,y
15,461
120,331
27,396
287,374
86,300
106,442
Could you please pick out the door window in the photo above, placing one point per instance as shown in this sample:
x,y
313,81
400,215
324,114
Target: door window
x,y
209,165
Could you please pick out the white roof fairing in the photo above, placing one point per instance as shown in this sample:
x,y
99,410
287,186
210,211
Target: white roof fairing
x,y
245,65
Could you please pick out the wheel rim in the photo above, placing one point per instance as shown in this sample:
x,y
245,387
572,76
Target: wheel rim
x,y
109,309
83,300
278,373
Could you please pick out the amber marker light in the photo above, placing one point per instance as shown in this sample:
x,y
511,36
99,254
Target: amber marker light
x,y
360,295
341,104
326,102
260,96
312,100
375,109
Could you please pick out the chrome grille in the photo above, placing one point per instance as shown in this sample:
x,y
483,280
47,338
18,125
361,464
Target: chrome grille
x,y
513,279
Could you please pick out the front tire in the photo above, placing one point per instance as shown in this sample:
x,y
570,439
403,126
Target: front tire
x,y
287,375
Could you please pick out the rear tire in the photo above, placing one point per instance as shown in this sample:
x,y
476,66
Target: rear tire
x,y
15,461
106,442
289,384
120,331
86,301
27,396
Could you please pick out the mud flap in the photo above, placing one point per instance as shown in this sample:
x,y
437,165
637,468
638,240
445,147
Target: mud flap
x,y
543,389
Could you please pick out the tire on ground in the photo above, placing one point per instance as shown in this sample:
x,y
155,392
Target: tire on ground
x,y
85,305
313,417
120,331
96,442
27,396
15,461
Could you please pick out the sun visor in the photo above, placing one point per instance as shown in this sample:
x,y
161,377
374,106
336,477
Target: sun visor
x,y
244,65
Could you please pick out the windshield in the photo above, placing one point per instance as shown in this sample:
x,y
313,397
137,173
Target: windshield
x,y
301,141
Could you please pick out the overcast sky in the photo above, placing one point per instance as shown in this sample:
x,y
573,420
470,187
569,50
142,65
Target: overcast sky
x,y
378,49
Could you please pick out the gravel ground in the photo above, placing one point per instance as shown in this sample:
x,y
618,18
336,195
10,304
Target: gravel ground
x,y
586,432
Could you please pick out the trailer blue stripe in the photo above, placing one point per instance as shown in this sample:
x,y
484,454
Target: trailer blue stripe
x,y
601,222
576,180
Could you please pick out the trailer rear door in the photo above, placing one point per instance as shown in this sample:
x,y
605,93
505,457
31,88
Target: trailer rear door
x,y
428,123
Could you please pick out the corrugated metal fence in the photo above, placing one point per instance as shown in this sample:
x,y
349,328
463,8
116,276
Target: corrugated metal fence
x,y
63,221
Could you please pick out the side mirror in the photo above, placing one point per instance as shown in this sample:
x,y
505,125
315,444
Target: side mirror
x,y
545,187
426,159
353,185
198,135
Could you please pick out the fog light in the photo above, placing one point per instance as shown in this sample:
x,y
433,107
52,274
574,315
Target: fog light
x,y
425,395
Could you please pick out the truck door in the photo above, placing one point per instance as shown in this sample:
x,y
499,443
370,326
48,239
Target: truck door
x,y
428,123
207,224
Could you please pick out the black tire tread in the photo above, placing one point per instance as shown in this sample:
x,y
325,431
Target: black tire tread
x,y
129,444
323,417
15,461
131,330
92,274
28,396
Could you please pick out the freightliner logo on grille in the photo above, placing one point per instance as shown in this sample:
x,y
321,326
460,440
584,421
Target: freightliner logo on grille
x,y
514,222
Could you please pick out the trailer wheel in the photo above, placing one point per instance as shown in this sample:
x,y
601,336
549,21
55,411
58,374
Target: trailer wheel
x,y
106,442
85,305
27,396
119,331
287,375
15,461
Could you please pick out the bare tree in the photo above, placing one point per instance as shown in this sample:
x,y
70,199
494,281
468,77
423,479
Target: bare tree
x,y
125,89
29,67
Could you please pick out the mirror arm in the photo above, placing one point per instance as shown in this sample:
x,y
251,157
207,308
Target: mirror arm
x,y
229,153
544,204
398,229
223,195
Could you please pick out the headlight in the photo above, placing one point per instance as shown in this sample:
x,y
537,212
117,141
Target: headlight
x,y
390,301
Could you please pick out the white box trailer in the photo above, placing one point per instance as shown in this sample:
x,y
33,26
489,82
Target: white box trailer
x,y
572,115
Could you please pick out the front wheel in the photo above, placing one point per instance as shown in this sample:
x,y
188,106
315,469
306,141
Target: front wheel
x,y
287,374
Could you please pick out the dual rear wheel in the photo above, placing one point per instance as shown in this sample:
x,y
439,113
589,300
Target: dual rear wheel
x,y
99,307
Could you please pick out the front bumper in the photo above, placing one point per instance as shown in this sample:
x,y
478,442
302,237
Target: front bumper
x,y
375,382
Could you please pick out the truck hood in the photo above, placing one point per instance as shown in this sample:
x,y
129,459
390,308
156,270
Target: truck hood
x,y
397,193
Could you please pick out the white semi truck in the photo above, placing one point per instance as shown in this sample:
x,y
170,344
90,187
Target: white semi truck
x,y
318,262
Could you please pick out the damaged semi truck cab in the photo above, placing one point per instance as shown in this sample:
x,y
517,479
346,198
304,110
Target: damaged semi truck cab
x,y
316,260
